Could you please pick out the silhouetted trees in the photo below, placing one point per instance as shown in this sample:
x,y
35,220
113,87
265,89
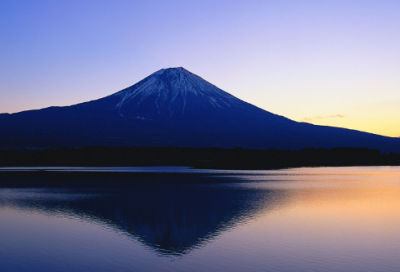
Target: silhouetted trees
x,y
235,158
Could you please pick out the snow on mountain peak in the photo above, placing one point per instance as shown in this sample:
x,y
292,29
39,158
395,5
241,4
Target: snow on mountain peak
x,y
172,88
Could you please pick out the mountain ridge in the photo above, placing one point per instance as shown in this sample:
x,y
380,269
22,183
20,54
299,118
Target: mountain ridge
x,y
174,107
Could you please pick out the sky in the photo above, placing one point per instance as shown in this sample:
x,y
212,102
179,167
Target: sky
x,y
334,63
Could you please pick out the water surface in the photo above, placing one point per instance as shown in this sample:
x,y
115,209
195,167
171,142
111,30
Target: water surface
x,y
181,219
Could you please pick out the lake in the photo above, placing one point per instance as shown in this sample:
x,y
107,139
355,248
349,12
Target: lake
x,y
181,219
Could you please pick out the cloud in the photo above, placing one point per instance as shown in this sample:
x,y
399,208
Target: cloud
x,y
308,119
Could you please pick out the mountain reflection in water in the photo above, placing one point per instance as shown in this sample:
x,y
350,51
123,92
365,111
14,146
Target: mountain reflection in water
x,y
169,213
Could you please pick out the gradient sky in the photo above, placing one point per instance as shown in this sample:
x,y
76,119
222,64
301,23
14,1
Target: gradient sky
x,y
325,62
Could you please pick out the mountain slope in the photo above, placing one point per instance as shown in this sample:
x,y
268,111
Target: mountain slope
x,y
173,107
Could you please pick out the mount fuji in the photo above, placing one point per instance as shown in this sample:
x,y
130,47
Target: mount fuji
x,y
174,107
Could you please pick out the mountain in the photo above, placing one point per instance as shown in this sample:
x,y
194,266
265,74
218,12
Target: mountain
x,y
174,107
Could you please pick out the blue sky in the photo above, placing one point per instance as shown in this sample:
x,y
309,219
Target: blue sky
x,y
326,62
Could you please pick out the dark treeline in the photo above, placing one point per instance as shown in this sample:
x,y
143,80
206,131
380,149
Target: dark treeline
x,y
217,158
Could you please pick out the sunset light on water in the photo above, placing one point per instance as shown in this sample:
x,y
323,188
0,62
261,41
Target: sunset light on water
x,y
323,219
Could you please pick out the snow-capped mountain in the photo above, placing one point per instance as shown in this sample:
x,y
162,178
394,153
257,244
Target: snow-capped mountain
x,y
173,107
169,92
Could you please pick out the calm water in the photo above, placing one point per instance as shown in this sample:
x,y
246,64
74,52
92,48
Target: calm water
x,y
179,219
